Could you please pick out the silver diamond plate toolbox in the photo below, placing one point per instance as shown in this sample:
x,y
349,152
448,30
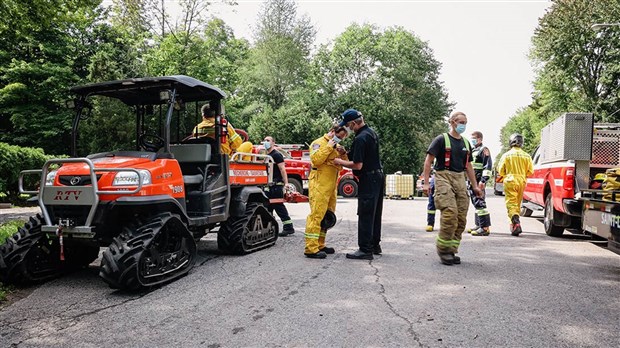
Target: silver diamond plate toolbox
x,y
569,137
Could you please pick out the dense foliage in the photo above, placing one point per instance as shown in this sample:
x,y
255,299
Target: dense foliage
x,y
279,84
578,68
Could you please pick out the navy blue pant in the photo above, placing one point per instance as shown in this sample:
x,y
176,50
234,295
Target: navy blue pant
x,y
430,208
369,210
277,191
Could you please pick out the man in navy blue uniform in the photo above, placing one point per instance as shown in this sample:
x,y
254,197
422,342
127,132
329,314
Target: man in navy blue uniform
x,y
366,165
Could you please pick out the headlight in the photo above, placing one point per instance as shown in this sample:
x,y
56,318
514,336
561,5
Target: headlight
x,y
131,178
49,179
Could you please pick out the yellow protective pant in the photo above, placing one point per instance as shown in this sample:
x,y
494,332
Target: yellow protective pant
x,y
452,200
513,193
322,192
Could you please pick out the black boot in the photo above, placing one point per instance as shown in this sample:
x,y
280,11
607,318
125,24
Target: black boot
x,y
446,258
317,255
328,250
360,255
515,227
377,250
287,230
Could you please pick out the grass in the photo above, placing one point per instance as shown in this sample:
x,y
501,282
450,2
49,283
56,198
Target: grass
x,y
7,229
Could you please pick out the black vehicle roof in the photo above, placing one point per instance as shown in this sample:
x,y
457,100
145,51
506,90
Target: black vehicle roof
x,y
146,90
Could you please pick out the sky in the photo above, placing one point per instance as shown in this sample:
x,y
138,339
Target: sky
x,y
482,45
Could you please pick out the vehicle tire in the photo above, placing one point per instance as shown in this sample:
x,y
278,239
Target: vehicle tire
x,y
256,229
159,251
526,212
347,188
297,183
551,229
30,256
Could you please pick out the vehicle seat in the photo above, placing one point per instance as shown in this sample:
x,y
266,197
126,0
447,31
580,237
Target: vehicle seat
x,y
193,160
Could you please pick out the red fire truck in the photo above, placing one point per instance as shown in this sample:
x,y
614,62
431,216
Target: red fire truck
x,y
572,151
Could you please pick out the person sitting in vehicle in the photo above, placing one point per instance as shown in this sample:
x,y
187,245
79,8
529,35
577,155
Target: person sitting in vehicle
x,y
206,128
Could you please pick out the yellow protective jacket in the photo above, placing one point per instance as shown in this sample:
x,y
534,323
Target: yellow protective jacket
x,y
207,128
322,158
515,165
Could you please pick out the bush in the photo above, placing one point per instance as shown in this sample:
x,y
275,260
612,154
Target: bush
x,y
9,228
14,159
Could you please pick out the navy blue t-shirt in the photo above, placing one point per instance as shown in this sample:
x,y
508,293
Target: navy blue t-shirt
x,y
277,158
365,149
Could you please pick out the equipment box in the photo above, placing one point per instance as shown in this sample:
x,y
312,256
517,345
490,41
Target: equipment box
x,y
567,138
399,186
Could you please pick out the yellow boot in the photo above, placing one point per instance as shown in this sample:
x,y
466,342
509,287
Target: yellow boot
x,y
429,228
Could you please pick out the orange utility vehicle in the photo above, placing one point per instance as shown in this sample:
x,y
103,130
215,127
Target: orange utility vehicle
x,y
147,205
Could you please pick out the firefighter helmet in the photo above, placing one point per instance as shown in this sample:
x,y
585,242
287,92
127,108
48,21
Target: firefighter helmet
x,y
516,140
329,220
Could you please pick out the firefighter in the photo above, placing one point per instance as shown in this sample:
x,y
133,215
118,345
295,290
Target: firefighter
x,y
206,128
482,164
453,163
514,167
322,188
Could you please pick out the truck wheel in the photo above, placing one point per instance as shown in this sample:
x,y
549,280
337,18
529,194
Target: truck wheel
x,y
298,186
551,229
526,212
347,188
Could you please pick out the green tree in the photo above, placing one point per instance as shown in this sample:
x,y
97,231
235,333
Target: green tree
x,y
44,49
278,63
390,76
578,69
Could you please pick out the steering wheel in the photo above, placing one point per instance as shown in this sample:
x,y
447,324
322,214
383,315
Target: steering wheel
x,y
151,142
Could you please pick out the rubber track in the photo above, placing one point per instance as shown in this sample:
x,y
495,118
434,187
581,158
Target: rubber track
x,y
14,251
119,265
230,235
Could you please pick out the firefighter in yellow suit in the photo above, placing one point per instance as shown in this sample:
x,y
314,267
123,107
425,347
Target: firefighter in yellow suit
x,y
322,188
514,168
206,128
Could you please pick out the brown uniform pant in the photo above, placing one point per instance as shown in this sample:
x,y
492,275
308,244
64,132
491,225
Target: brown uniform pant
x,y
452,200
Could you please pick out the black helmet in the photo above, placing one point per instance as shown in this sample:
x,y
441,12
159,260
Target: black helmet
x,y
329,220
516,140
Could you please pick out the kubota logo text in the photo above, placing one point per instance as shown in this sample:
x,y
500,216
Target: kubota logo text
x,y
67,195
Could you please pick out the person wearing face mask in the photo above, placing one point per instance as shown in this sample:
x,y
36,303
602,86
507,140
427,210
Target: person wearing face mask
x,y
366,165
322,189
280,180
453,164
483,165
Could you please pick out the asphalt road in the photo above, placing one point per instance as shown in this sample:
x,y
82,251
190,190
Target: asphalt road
x,y
531,291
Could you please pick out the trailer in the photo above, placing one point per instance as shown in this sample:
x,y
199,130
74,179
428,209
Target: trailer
x,y
601,217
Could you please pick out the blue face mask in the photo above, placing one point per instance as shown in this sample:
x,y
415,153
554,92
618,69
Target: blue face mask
x,y
336,140
460,128
473,141
267,145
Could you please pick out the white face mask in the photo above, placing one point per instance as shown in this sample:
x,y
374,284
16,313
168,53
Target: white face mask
x,y
349,130
267,145
336,140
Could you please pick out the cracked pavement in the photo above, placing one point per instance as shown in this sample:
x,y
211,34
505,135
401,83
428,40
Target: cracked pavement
x,y
531,291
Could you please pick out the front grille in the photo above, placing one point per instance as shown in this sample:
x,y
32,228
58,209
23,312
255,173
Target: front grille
x,y
76,180
76,213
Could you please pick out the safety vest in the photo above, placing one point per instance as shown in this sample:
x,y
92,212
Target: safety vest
x,y
446,139
477,165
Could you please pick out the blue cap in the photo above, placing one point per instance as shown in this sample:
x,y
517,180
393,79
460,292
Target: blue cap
x,y
349,115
